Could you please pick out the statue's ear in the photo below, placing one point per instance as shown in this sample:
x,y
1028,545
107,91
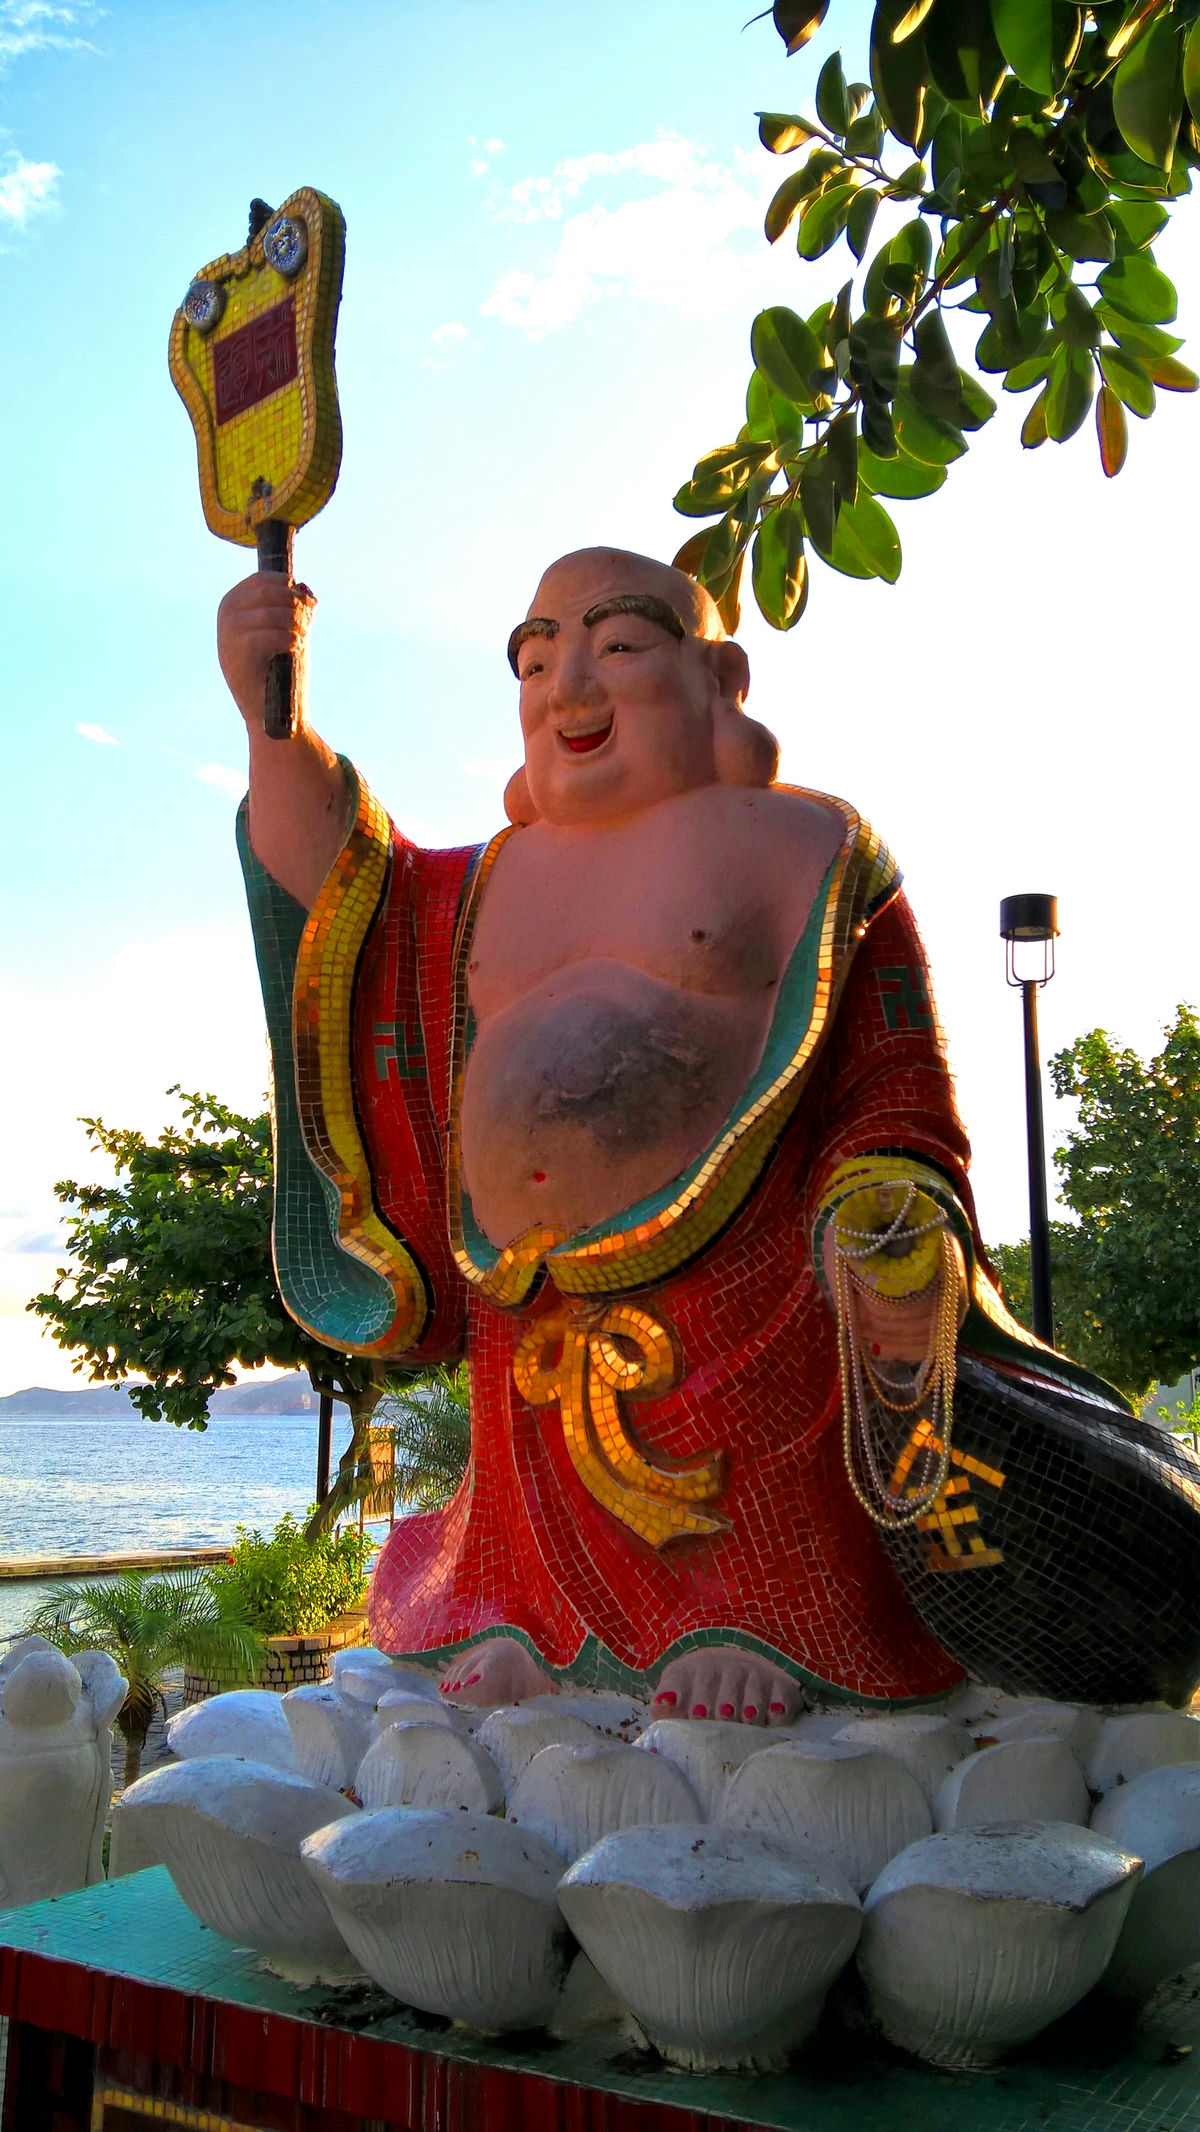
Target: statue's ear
x,y
518,805
745,753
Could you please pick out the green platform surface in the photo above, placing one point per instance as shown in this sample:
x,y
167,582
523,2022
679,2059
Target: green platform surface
x,y
1093,2072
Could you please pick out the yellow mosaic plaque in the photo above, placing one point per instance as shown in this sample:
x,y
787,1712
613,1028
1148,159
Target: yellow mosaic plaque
x,y
251,357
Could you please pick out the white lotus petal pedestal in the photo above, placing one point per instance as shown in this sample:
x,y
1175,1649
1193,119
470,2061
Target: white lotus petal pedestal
x,y
721,1943
453,1913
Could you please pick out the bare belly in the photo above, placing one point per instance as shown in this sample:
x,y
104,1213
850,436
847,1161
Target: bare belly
x,y
595,1088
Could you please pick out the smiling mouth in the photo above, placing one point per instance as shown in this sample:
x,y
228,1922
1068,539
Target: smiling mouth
x,y
587,743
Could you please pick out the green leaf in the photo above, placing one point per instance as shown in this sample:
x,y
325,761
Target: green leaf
x,y
975,405
1136,287
781,131
1027,154
1025,34
720,477
860,220
911,20
841,443
878,429
1136,223
898,72
1136,334
1124,374
833,104
1069,390
933,380
1148,92
787,352
865,542
899,477
924,437
913,246
865,135
795,188
1111,430
1191,70
798,20
824,220
965,60
964,247
1033,369
771,414
819,499
1082,236
1070,310
1033,428
779,567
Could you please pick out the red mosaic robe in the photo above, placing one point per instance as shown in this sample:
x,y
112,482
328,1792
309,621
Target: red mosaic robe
x,y
793,1568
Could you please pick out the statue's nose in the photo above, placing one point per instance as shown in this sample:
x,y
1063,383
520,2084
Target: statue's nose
x,y
576,685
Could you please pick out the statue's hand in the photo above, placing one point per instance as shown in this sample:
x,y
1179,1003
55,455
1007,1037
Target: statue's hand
x,y
899,1332
256,619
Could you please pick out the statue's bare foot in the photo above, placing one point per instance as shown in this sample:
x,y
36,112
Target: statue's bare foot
x,y
724,1682
498,1671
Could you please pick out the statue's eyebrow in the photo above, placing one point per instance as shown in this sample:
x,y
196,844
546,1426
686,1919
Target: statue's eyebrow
x,y
643,603
538,625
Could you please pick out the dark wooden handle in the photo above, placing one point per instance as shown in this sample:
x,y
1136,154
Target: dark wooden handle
x,y
280,711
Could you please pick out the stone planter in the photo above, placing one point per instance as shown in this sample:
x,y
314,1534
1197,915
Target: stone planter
x,y
292,1661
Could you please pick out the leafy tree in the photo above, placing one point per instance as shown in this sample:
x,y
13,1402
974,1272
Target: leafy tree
x,y
424,1433
1030,151
289,1585
1126,1296
149,1624
171,1273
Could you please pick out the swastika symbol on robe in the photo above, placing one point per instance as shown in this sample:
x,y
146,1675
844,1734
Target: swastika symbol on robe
x,y
905,997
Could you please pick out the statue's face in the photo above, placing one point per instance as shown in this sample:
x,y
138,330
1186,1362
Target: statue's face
x,y
617,708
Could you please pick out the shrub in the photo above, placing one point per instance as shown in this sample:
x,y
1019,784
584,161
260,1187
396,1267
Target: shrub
x,y
290,1586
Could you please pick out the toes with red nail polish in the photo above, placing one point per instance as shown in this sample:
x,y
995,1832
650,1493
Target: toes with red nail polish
x,y
699,1709
667,1697
726,1710
777,1710
750,1711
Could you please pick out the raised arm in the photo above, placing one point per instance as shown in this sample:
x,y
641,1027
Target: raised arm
x,y
298,796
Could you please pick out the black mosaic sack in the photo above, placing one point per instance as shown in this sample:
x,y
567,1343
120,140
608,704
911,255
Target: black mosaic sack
x,y
1062,1557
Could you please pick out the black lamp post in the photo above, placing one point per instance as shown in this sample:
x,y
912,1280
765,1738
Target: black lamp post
x,y
1029,924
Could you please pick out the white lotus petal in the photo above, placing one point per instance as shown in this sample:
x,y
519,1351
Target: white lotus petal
x,y
415,1764
1140,1740
42,1690
1158,1816
975,1941
331,1733
709,1751
453,1913
973,1701
514,1733
1019,1780
572,1796
619,1716
400,1707
929,1747
1075,1723
836,1801
250,1722
229,1833
366,1675
721,1943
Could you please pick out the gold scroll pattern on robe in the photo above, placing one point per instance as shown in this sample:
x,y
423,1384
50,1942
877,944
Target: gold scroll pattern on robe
x,y
951,1523
589,1360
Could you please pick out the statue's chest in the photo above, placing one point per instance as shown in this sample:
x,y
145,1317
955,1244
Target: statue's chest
x,y
671,915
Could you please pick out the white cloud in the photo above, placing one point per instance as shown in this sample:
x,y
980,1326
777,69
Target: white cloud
x,y
692,244
226,780
97,734
39,26
453,330
494,147
25,187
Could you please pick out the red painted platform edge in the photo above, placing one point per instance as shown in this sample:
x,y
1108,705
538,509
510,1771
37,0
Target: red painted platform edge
x,y
324,2068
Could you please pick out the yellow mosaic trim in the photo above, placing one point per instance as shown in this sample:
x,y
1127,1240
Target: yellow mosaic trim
x,y
322,1037
646,1252
280,457
174,2116
582,1360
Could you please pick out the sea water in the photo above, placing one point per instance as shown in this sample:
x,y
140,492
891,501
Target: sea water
x,y
92,1485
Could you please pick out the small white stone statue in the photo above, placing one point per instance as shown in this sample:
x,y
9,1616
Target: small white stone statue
x,y
717,1877
55,1768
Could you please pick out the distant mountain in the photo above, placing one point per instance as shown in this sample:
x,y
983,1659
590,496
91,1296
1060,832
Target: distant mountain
x,y
292,1394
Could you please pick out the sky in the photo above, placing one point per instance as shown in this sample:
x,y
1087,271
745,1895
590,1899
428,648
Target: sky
x,y
554,255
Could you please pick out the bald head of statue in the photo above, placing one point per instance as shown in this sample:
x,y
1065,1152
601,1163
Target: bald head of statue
x,y
631,693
